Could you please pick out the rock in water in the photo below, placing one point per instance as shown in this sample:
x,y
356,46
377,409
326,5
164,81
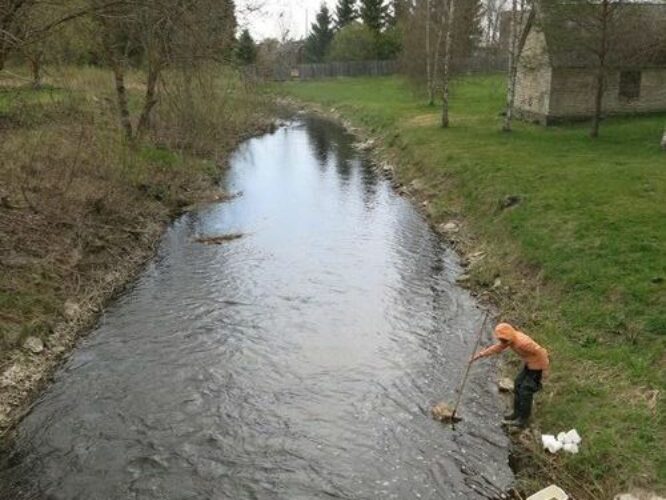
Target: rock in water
x,y
505,384
444,413
34,345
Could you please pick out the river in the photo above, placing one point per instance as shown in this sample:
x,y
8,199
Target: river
x,y
297,362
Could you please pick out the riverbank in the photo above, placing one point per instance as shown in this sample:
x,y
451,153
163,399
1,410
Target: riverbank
x,y
566,236
81,211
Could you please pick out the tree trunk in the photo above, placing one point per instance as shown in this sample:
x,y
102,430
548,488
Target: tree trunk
x,y
431,97
598,103
663,140
438,46
150,99
513,68
36,70
447,64
117,65
121,93
601,73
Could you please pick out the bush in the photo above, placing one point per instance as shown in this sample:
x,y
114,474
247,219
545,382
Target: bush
x,y
354,42
389,44
357,42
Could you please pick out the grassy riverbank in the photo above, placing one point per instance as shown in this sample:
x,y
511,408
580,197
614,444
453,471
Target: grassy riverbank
x,y
80,210
581,258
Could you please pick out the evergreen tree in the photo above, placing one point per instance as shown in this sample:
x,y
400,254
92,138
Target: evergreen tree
x,y
467,29
317,43
374,14
399,12
345,12
246,50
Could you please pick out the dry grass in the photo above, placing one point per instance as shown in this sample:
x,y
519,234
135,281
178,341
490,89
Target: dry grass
x,y
80,209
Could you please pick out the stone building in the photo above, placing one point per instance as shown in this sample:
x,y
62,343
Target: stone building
x,y
560,61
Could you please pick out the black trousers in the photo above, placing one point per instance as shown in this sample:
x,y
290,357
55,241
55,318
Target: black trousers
x,y
527,383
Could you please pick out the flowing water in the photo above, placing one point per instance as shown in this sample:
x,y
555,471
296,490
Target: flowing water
x,y
297,362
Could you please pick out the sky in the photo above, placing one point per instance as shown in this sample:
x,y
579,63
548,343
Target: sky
x,y
275,17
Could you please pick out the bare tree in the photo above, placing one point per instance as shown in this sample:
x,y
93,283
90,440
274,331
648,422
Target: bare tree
x,y
12,16
27,25
163,33
521,23
429,53
602,22
492,21
429,77
595,28
446,70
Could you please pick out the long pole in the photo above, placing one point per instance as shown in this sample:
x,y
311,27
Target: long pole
x,y
469,364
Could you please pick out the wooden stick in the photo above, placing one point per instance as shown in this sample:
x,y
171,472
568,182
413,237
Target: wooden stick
x,y
469,364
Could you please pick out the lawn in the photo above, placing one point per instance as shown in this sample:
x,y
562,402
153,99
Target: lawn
x,y
581,258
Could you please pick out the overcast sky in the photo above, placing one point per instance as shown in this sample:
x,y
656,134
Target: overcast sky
x,y
276,16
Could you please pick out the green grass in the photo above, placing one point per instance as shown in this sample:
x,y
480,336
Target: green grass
x,y
10,95
584,253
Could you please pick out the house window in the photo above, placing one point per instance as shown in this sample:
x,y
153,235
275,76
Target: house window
x,y
630,84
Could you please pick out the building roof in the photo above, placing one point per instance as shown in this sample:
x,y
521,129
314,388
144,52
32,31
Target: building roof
x,y
636,33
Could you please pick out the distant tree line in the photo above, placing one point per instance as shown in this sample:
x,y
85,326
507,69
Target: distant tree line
x,y
367,30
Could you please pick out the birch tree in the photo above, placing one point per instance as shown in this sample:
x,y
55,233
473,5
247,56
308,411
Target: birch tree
x,y
423,57
521,23
429,78
492,13
447,21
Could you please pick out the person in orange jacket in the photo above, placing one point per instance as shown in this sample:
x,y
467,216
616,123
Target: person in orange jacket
x,y
528,381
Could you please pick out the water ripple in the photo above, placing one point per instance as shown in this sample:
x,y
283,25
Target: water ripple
x,y
297,362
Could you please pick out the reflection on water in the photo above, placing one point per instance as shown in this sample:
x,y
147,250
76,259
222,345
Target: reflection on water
x,y
298,362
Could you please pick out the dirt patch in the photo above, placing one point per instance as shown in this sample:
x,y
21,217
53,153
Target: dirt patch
x,y
429,120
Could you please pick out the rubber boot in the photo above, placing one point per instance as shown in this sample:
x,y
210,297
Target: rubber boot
x,y
516,404
524,407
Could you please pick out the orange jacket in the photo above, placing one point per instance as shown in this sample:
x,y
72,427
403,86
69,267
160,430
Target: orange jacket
x,y
534,356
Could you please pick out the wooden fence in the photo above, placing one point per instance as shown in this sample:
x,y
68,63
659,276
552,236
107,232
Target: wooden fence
x,y
351,68
482,63
283,72
335,70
